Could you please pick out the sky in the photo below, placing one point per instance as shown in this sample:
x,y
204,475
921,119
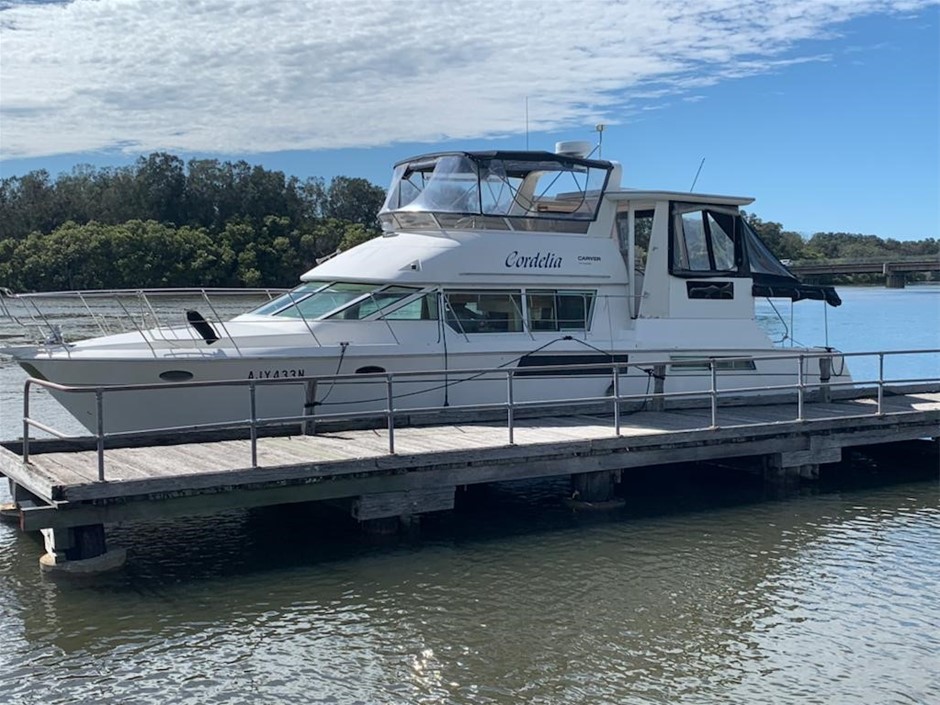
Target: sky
x,y
826,111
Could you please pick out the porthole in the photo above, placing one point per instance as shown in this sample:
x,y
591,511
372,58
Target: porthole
x,y
176,376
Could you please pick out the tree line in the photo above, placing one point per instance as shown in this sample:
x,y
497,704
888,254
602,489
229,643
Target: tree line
x,y
163,222
790,245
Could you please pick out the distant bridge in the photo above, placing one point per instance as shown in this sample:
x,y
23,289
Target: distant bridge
x,y
893,270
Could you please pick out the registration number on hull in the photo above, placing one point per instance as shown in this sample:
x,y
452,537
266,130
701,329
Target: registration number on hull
x,y
275,374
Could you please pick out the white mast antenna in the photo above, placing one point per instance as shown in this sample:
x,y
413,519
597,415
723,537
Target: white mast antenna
x,y
701,164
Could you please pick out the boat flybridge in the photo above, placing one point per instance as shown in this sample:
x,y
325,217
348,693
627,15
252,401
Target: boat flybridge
x,y
522,260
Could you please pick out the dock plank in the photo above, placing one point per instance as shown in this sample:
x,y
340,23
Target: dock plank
x,y
65,470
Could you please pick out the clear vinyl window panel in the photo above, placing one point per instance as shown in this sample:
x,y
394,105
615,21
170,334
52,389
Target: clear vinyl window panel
x,y
501,185
722,242
704,241
691,250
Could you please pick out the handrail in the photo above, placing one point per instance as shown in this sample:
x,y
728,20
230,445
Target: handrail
x,y
157,291
35,313
130,317
510,405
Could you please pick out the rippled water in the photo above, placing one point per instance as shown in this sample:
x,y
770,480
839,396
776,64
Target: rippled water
x,y
687,595
704,588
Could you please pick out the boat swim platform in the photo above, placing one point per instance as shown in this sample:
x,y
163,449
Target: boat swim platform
x,y
59,489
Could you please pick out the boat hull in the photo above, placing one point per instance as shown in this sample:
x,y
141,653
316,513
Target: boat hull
x,y
284,386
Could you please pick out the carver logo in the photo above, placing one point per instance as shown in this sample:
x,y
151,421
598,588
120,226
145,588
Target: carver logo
x,y
538,261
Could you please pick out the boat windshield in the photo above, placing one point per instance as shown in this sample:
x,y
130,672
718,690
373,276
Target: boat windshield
x,y
495,190
345,300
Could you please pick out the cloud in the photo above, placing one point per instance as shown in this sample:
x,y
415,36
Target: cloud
x,y
240,76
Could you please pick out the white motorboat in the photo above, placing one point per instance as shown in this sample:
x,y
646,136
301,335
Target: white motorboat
x,y
512,260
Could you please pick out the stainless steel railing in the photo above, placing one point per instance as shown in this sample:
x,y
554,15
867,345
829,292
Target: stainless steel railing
x,y
107,311
800,385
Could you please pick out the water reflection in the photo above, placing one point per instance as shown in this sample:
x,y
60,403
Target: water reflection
x,y
514,598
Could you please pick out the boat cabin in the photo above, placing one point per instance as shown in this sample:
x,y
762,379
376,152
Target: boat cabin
x,y
561,228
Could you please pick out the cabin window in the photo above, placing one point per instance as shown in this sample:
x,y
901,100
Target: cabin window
x,y
642,230
424,308
375,301
313,300
275,306
336,300
325,300
484,312
704,241
559,310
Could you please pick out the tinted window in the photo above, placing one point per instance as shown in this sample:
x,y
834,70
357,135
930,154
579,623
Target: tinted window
x,y
559,310
484,312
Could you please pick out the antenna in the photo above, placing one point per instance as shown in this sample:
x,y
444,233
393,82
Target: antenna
x,y
600,139
701,164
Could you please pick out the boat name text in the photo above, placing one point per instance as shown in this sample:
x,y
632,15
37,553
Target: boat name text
x,y
538,261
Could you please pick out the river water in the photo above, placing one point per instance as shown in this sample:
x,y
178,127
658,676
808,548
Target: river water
x,y
705,588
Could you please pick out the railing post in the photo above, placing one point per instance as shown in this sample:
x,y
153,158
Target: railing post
x,y
659,385
391,415
713,370
616,369
308,426
253,403
825,374
799,389
25,422
881,381
510,407
99,406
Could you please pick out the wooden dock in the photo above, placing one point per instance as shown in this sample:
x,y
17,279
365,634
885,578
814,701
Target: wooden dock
x,y
58,491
